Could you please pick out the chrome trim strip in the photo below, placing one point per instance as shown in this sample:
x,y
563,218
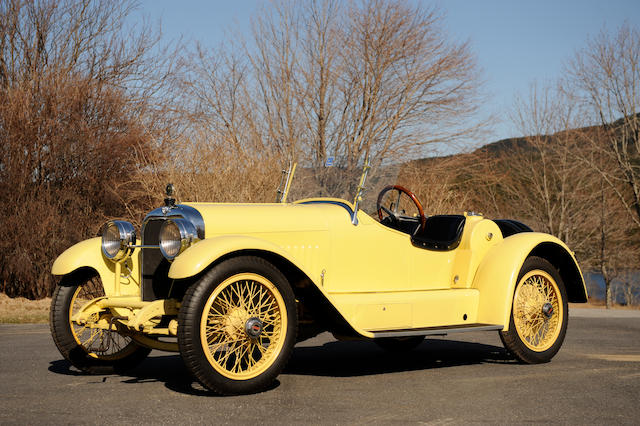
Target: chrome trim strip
x,y
161,214
127,234
181,211
439,331
188,235
360,191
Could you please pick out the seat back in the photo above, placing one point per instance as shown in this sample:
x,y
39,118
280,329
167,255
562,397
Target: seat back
x,y
510,227
441,232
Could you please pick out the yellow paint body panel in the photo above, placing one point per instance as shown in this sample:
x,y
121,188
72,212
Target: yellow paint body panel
x,y
373,275
88,253
296,232
414,309
199,256
497,274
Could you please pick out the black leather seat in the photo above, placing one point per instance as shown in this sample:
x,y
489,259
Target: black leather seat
x,y
408,225
510,227
441,232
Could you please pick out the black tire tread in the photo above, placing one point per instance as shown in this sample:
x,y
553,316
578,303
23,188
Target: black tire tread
x,y
510,338
189,339
67,345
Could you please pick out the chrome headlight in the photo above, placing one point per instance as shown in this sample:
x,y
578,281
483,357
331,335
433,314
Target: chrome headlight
x,y
175,236
117,237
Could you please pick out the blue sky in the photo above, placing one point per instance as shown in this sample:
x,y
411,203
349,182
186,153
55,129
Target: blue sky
x,y
516,42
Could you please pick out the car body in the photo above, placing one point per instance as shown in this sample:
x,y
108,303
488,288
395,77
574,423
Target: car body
x,y
232,287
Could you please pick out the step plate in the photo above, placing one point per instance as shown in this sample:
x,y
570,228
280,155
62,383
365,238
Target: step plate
x,y
439,331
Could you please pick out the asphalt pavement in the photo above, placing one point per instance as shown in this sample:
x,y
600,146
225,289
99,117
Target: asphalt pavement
x,y
457,379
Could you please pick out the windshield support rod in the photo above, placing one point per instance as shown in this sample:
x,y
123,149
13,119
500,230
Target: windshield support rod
x,y
287,177
360,191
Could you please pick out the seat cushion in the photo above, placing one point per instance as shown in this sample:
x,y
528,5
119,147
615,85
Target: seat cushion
x,y
441,232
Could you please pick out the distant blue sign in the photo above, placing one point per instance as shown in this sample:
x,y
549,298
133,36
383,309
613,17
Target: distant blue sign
x,y
329,162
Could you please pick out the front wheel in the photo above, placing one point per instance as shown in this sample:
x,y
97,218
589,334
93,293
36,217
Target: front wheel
x,y
89,348
237,326
539,313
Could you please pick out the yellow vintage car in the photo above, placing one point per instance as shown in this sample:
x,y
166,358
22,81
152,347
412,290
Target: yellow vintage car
x,y
233,287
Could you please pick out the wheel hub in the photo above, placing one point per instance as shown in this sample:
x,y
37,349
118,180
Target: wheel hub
x,y
253,327
234,322
547,310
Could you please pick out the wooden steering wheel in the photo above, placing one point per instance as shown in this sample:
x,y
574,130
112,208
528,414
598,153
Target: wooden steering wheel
x,y
394,214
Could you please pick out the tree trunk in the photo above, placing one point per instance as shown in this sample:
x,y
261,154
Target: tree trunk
x,y
608,293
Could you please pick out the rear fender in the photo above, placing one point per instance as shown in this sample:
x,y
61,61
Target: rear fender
x,y
497,274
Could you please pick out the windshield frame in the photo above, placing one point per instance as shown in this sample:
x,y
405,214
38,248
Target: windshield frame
x,y
356,187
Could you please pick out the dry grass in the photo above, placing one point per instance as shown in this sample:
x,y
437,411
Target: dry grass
x,y
19,310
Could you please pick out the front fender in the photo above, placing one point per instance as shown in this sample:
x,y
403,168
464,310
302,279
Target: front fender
x,y
199,256
498,272
88,254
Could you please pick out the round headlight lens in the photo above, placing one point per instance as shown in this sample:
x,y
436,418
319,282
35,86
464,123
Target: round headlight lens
x,y
170,240
175,236
111,241
117,236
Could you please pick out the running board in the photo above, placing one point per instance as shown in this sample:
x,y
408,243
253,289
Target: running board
x,y
438,331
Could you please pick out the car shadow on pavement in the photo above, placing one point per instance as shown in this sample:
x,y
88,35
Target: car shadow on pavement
x,y
167,369
361,358
333,359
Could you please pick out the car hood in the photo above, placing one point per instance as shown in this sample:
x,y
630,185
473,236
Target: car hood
x,y
224,218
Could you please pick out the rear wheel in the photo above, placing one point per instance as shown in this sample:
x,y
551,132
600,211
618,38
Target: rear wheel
x,y
92,350
237,326
539,314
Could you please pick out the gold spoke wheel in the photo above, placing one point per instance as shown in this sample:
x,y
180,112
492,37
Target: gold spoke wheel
x,y
539,313
98,343
90,349
537,310
243,326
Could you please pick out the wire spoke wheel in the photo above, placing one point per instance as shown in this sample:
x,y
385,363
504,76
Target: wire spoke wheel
x,y
537,311
539,314
237,326
97,342
90,347
243,326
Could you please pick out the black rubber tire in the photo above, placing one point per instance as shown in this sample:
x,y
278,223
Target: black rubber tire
x,y
130,356
399,344
191,311
512,341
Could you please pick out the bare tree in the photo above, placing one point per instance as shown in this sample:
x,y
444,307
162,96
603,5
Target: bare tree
x,y
605,78
543,179
615,247
403,84
373,78
441,184
547,184
535,178
76,100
